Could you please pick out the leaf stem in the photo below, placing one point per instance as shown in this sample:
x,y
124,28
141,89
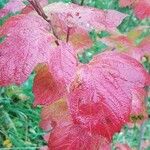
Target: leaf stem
x,y
68,33
36,5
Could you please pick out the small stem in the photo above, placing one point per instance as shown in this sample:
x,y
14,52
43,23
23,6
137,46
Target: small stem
x,y
36,5
57,43
68,34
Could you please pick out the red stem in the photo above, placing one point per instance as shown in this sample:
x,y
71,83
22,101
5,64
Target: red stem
x,y
68,33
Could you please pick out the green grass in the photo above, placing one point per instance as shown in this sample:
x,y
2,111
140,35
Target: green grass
x,y
19,121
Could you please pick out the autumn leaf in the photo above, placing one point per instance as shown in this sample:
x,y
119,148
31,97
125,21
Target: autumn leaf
x,y
12,6
138,111
52,81
101,96
29,8
77,36
27,42
74,15
45,87
73,137
64,134
55,114
126,43
120,146
141,7
125,3
144,47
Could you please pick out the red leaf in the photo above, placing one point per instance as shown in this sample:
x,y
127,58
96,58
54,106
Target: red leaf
x,y
101,96
124,3
73,137
74,15
52,82
77,36
63,63
65,134
46,89
29,7
142,9
27,43
126,44
55,114
138,104
44,148
145,47
12,6
120,146
80,39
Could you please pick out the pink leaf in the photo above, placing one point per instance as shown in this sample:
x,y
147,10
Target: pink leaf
x,y
29,7
78,37
142,9
12,6
138,111
124,3
55,114
101,96
120,146
46,89
52,82
73,137
27,43
65,134
126,44
85,17
113,19
44,148
138,98
63,63
144,47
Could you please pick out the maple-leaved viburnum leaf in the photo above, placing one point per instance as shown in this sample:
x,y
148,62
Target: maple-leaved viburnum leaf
x,y
74,137
74,15
51,82
15,6
125,3
77,36
101,96
65,134
141,8
127,44
54,114
27,43
12,6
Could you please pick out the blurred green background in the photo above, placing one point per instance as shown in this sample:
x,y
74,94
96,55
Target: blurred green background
x,y
19,120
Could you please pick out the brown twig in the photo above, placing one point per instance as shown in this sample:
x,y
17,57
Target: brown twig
x,y
36,5
68,34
